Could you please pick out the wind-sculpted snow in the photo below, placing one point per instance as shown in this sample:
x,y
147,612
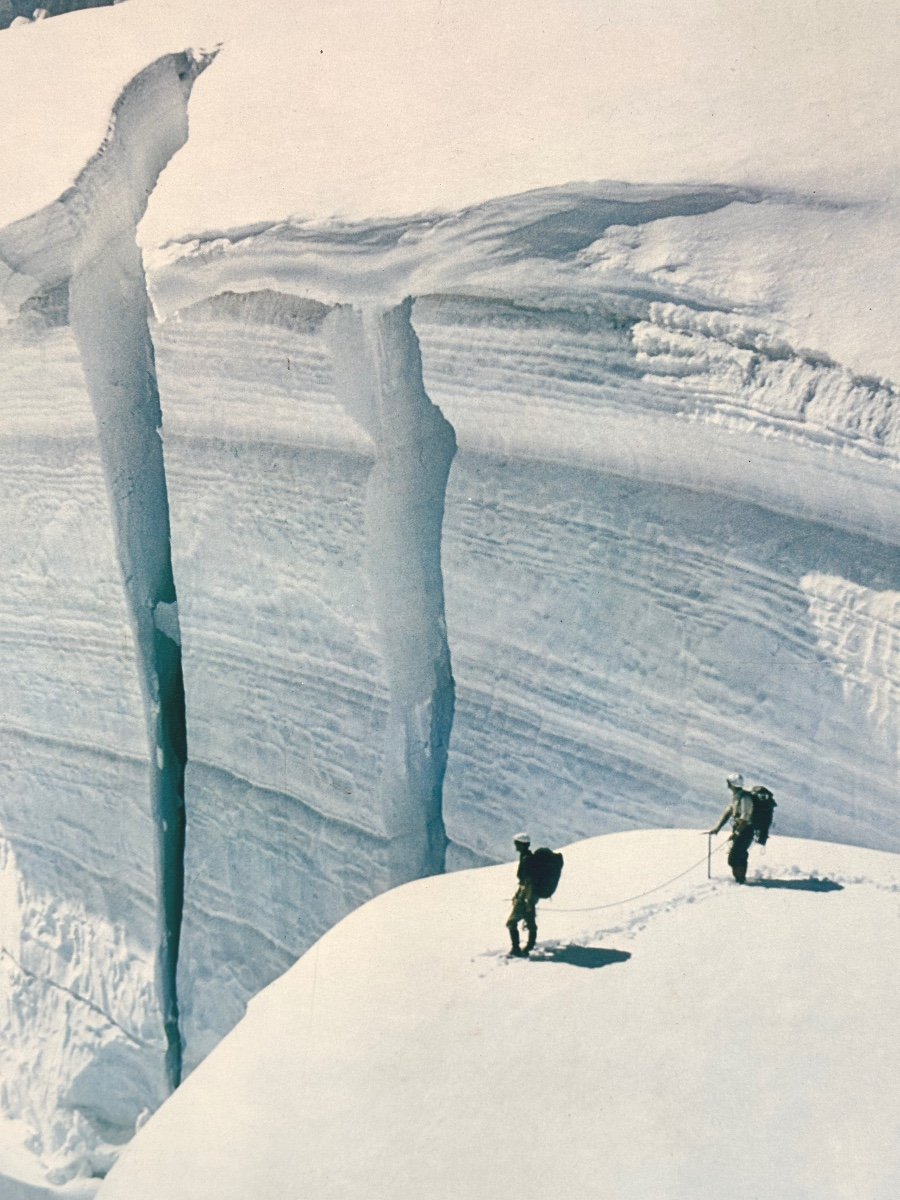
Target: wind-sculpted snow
x,y
615,388
388,260
654,373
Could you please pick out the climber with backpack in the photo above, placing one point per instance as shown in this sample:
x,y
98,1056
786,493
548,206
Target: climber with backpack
x,y
538,875
750,813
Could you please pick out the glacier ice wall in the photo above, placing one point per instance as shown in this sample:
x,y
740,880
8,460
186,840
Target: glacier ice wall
x,y
80,1000
623,630
634,621
84,330
656,534
320,695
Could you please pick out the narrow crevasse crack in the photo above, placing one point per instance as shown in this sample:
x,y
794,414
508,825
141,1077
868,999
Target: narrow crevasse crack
x,y
108,315
378,379
84,244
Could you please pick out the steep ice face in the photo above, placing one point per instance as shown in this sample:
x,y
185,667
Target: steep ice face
x,y
79,997
79,260
645,478
320,696
108,315
620,645
639,495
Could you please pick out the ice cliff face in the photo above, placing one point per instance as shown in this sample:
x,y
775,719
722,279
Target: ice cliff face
x,y
79,259
543,512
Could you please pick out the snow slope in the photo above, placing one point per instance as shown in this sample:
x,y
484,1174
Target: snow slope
x,y
700,1040
487,493
442,107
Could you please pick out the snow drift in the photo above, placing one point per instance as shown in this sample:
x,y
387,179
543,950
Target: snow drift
x,y
696,1040
401,491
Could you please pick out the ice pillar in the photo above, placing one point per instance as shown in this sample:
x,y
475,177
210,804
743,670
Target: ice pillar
x,y
378,376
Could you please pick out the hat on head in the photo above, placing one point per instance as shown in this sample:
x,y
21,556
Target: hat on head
x,y
522,839
735,780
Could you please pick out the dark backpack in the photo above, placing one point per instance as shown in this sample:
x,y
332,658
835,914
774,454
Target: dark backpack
x,y
763,813
544,869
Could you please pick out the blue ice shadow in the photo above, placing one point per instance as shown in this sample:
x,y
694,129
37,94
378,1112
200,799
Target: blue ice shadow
x,y
799,885
591,957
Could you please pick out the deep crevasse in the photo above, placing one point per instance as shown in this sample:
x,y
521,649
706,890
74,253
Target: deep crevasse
x,y
79,259
320,694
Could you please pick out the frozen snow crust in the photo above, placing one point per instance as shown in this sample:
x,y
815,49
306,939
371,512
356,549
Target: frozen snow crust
x,y
700,1040
411,489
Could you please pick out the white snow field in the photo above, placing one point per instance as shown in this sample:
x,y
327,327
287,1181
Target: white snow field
x,y
416,424
703,1040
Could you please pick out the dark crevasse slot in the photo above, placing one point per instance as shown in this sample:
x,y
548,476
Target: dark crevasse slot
x,y
173,813
108,312
82,261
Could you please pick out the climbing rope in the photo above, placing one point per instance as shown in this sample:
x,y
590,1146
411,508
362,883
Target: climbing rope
x,y
640,895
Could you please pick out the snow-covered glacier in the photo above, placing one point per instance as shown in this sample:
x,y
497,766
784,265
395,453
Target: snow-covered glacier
x,y
370,490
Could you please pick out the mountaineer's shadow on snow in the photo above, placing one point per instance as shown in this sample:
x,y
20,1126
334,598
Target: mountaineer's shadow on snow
x,y
800,885
581,956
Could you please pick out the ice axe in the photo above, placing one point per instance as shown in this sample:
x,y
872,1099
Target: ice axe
x,y
709,838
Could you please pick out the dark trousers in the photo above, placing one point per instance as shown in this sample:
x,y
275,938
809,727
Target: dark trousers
x,y
741,841
524,909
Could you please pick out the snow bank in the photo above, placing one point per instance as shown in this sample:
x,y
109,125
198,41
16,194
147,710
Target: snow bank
x,y
443,107
439,110
695,1040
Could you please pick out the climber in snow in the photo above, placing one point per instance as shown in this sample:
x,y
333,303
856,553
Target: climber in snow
x,y
538,874
750,813
739,811
524,907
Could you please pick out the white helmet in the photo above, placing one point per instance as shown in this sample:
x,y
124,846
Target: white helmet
x,y
521,839
735,780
